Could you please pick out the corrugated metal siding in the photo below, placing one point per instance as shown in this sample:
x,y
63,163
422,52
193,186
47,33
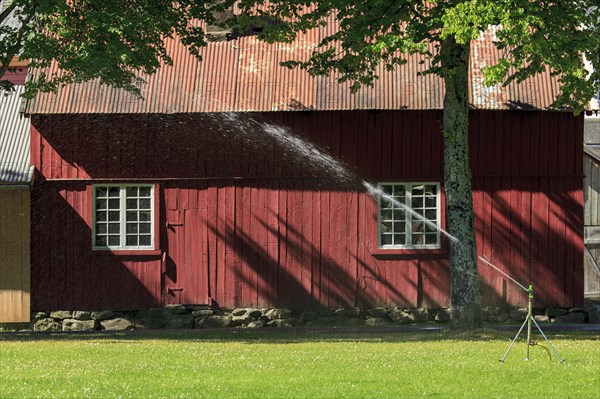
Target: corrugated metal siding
x,y
15,167
244,75
262,226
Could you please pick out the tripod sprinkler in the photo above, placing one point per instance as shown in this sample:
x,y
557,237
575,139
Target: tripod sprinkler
x,y
528,320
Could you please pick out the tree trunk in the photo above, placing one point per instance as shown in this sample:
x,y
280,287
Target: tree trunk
x,y
459,198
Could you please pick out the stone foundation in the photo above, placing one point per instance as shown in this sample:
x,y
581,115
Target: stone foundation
x,y
199,316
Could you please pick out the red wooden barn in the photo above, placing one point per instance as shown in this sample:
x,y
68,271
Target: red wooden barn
x,y
175,199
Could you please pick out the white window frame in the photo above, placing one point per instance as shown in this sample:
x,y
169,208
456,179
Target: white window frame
x,y
409,217
123,218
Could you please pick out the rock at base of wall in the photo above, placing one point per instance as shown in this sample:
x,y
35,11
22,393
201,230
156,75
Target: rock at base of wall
x,y
82,315
377,321
47,324
399,316
555,312
378,312
61,314
117,324
152,323
291,322
273,314
519,314
573,317
212,322
79,325
102,315
180,321
202,313
443,316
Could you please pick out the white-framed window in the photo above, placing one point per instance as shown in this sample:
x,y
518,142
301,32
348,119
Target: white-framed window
x,y
401,228
123,217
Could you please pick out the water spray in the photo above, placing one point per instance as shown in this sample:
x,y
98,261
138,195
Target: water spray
x,y
286,138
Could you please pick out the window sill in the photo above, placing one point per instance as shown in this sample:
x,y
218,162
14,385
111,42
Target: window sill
x,y
128,252
403,252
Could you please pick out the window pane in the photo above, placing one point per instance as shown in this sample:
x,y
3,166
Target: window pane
x,y
399,239
431,214
144,216
114,203
101,216
145,191
114,241
386,203
132,216
387,215
132,204
430,229
430,238
145,228
132,241
144,203
101,228
101,192
399,191
417,202
386,227
430,202
114,228
132,228
386,239
101,204
132,191
418,226
113,192
144,240
418,190
418,239
101,241
399,215
388,189
114,216
431,190
399,227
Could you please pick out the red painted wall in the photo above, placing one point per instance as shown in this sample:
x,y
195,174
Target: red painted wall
x,y
263,227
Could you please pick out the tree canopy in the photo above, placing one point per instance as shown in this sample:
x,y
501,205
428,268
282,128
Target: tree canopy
x,y
531,35
111,40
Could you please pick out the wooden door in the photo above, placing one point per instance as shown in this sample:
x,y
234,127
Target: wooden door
x,y
185,276
14,255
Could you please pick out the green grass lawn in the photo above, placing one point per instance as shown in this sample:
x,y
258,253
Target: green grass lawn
x,y
261,364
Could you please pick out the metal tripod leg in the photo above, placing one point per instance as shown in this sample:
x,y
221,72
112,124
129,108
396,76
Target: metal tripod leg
x,y
514,340
560,359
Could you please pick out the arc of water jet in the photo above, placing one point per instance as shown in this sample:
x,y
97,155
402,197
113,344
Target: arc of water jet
x,y
504,274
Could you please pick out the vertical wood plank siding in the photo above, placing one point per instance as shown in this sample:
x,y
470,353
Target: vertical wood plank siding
x,y
14,255
265,226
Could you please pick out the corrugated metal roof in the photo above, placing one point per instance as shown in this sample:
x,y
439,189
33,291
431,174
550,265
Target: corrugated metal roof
x,y
15,165
245,75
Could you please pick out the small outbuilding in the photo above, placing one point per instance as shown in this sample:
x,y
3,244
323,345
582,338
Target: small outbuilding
x,y
16,175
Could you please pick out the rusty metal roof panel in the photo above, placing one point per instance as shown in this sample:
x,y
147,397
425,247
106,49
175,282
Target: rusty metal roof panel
x,y
245,75
537,92
15,165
